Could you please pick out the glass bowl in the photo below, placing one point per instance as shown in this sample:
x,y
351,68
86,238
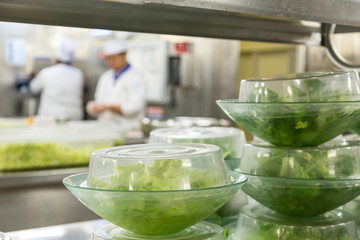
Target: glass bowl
x,y
301,197
260,223
3,236
331,160
230,140
151,167
199,231
303,87
293,124
354,208
153,212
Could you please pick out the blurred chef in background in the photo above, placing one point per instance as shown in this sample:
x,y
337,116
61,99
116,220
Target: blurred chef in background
x,y
61,85
120,92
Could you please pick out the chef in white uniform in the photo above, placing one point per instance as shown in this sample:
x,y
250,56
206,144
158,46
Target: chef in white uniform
x,y
61,85
120,92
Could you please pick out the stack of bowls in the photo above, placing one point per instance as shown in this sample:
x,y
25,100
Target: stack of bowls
x,y
295,174
156,191
231,142
259,223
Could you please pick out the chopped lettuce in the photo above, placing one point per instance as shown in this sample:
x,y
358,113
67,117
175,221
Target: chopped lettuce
x,y
27,156
270,231
298,124
302,164
144,212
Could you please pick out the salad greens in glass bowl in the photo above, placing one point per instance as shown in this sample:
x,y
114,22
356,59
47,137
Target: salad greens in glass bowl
x,y
297,110
302,87
230,140
199,231
302,182
260,223
293,124
156,189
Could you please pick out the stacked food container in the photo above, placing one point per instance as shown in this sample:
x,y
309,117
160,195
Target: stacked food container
x,y
231,142
297,177
156,191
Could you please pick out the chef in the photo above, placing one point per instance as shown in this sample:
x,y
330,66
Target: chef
x,y
120,92
61,85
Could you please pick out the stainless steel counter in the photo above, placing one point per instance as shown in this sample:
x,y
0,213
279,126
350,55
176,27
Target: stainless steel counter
x,y
72,231
38,198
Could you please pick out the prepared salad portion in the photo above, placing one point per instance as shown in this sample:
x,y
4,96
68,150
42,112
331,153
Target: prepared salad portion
x,y
259,223
156,189
302,87
293,124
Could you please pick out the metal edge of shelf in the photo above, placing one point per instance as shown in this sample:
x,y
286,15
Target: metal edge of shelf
x,y
343,12
37,177
159,18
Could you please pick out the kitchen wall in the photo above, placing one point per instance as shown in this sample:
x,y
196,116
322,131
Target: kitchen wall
x,y
210,70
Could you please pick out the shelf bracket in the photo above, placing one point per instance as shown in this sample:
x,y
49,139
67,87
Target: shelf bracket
x,y
328,30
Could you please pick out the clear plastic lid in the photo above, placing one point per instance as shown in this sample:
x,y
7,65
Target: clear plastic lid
x,y
259,222
303,87
199,231
157,167
230,140
331,160
3,236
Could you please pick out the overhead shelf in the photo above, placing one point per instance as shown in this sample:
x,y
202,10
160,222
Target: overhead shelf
x,y
287,21
217,19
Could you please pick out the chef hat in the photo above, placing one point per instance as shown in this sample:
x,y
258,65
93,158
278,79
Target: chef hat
x,y
66,49
112,47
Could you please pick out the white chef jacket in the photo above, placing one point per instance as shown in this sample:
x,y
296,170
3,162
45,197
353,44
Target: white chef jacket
x,y
127,91
61,89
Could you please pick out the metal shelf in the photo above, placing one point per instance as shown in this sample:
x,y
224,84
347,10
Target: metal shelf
x,y
286,21
217,19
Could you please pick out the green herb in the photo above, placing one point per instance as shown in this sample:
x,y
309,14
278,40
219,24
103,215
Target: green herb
x,y
227,231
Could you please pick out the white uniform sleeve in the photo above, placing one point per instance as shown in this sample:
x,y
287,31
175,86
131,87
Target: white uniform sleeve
x,y
37,83
135,97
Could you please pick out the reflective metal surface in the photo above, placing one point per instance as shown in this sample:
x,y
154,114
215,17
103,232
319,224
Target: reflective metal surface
x,y
73,231
38,198
218,19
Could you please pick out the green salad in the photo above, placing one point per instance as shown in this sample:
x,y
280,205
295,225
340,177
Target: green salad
x,y
320,164
268,231
130,203
301,198
26,156
314,91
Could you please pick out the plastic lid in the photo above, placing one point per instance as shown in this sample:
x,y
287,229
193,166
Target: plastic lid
x,y
169,166
155,151
230,140
195,133
199,231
